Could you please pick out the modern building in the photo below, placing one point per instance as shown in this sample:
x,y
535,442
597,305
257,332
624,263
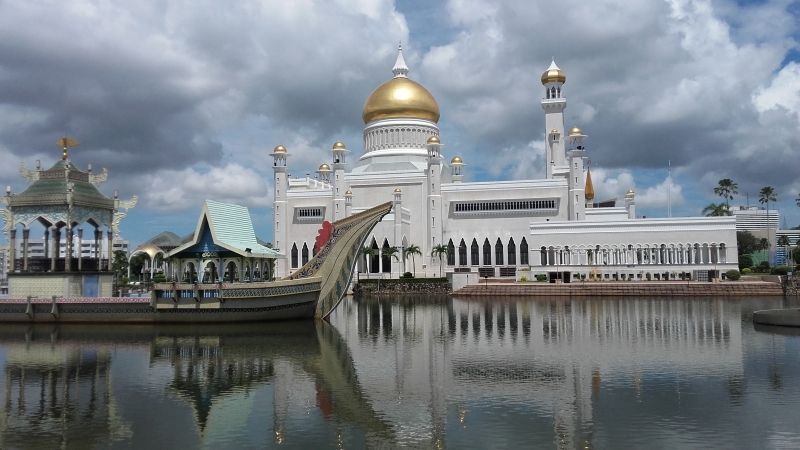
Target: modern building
x,y
494,228
87,249
783,252
756,220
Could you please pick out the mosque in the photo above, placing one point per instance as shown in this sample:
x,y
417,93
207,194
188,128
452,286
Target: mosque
x,y
513,228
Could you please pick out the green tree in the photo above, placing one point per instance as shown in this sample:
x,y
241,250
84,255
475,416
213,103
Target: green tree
x,y
368,252
437,252
763,244
783,241
745,261
796,254
727,188
767,195
119,265
391,252
136,264
747,243
412,250
714,210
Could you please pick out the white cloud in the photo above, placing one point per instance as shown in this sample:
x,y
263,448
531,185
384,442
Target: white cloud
x,y
783,91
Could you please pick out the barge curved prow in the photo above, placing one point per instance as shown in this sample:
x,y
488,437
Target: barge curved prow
x,y
335,260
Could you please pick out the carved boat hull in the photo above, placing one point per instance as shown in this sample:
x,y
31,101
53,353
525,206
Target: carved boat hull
x,y
313,291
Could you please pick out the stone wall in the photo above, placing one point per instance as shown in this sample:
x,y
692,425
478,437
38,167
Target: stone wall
x,y
623,289
402,286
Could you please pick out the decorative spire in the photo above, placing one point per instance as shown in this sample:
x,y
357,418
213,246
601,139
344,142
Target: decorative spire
x,y
589,189
400,69
66,143
553,65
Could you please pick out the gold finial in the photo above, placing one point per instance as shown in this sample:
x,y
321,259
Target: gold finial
x,y
67,143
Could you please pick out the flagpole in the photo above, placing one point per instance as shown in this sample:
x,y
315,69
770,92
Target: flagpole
x,y
669,188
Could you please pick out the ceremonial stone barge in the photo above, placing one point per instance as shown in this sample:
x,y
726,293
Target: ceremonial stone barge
x,y
313,291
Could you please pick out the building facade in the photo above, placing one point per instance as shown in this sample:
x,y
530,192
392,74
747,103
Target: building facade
x,y
495,228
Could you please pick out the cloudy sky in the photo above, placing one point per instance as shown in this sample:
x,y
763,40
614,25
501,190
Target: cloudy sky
x,y
183,100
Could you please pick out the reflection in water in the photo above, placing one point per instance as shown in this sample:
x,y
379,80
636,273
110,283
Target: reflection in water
x,y
412,372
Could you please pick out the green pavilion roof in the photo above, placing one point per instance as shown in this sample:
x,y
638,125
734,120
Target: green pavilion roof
x,y
231,228
51,188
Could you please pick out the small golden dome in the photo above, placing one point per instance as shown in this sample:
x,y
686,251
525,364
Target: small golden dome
x,y
553,74
434,140
349,193
456,160
324,168
397,190
338,145
403,98
279,149
553,131
575,131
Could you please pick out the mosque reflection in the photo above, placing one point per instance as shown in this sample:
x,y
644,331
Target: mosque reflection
x,y
413,372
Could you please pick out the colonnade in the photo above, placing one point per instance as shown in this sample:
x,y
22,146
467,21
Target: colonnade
x,y
385,137
52,248
663,254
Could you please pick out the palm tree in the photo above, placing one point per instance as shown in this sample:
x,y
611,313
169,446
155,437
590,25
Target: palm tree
x,y
714,210
727,188
437,252
412,250
766,195
367,251
391,252
783,241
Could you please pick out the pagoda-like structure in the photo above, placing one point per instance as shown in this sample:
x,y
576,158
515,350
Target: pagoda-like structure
x,y
65,200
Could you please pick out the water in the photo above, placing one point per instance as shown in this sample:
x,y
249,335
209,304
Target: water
x,y
415,373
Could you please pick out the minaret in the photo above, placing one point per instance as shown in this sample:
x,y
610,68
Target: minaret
x,y
339,162
576,182
280,210
457,164
324,173
630,203
398,226
348,203
553,104
434,195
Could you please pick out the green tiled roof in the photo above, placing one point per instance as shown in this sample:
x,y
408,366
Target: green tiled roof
x,y
232,227
51,188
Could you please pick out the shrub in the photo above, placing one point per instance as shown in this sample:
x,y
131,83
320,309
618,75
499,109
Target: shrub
x,y
541,277
159,278
747,271
407,275
779,270
745,261
763,266
732,275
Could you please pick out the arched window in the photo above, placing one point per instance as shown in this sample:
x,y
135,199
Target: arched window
x,y
512,252
487,252
474,258
304,254
374,263
294,256
498,252
523,252
451,253
544,256
462,253
386,260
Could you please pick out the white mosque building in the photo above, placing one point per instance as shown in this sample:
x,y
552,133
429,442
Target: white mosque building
x,y
544,226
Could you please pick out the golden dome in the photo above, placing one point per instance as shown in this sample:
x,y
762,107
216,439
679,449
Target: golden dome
x,y
324,168
401,98
434,140
397,190
348,193
456,160
553,74
575,131
279,149
338,145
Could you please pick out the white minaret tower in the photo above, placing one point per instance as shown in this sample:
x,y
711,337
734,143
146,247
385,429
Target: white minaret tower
x,y
457,164
280,210
576,181
398,226
348,203
434,196
630,203
553,104
339,162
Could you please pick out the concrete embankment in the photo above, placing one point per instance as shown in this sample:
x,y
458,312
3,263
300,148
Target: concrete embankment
x,y
623,289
